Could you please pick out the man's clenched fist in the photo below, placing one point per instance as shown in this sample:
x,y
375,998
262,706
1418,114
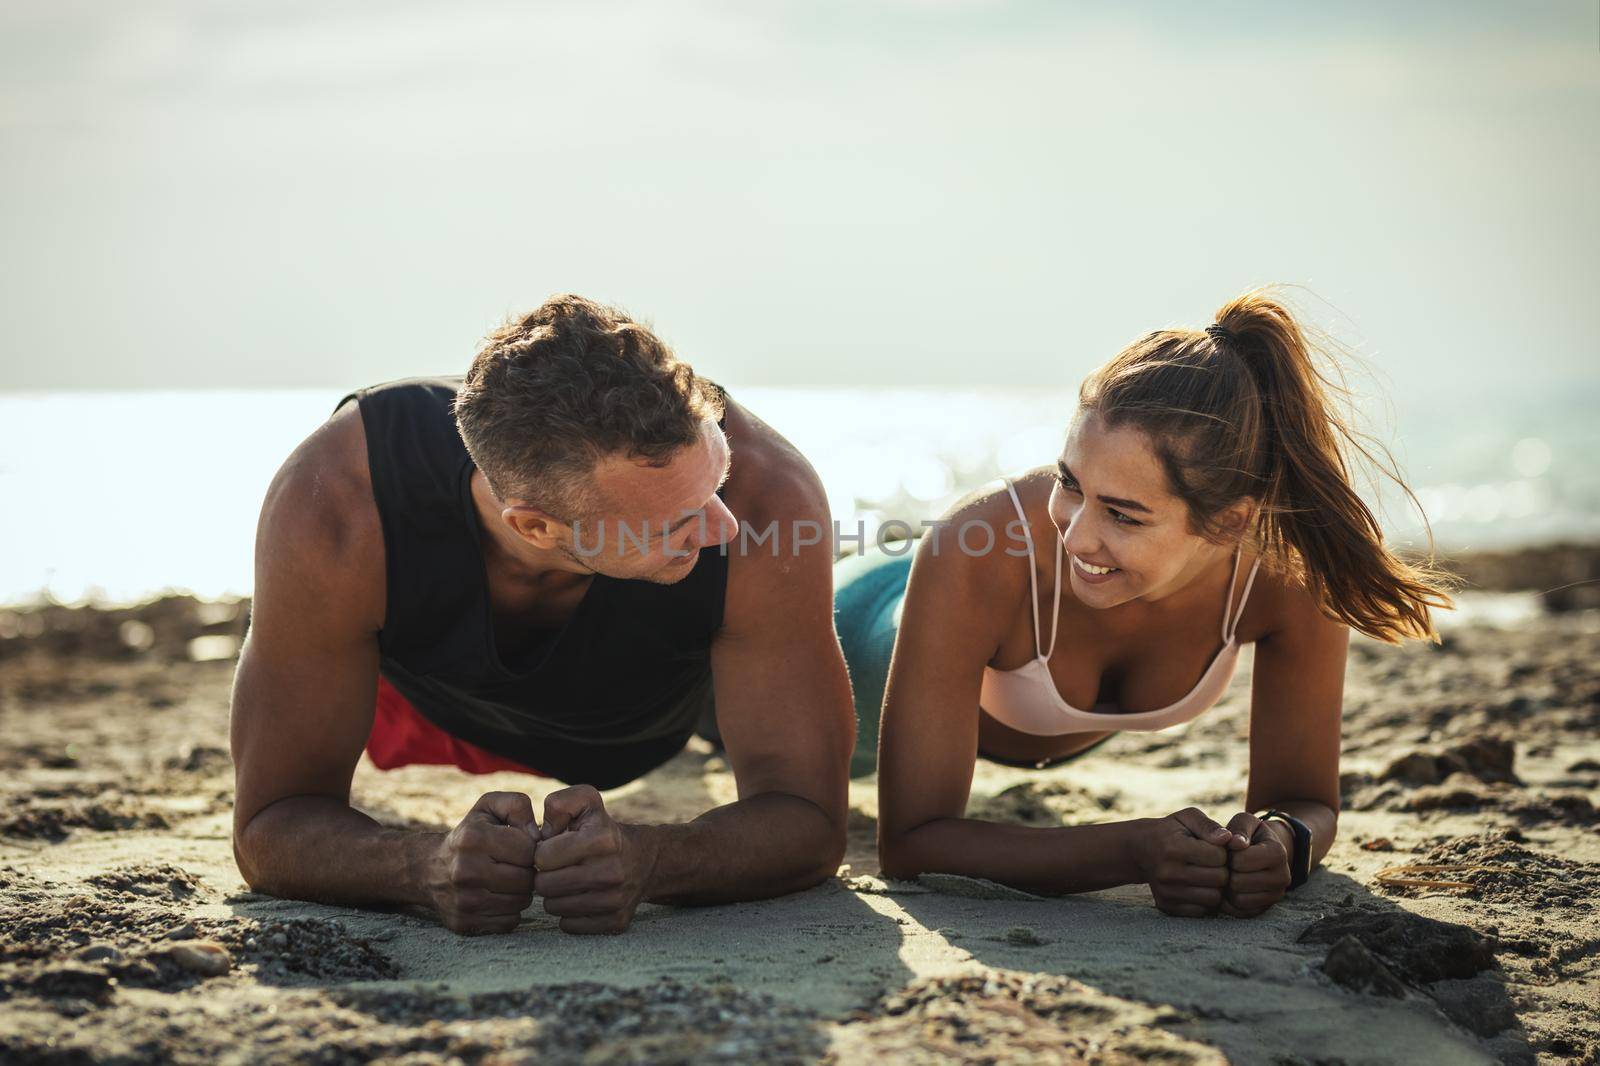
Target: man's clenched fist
x,y
481,877
592,870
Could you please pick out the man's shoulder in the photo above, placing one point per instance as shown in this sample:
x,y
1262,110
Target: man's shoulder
x,y
771,480
319,522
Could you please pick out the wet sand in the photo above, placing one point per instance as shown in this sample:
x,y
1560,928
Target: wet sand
x,y
1454,921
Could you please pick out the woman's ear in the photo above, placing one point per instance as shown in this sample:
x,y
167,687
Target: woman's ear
x,y
1239,517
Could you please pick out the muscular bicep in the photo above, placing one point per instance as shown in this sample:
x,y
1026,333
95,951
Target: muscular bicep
x,y
1296,703
928,741
782,692
304,691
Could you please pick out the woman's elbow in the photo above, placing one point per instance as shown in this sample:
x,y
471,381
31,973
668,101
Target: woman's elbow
x,y
897,857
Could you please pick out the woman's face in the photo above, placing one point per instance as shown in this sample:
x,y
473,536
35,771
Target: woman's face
x,y
1112,507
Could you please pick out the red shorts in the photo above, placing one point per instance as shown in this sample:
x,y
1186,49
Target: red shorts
x,y
402,737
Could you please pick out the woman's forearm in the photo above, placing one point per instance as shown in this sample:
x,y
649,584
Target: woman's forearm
x,y
1051,861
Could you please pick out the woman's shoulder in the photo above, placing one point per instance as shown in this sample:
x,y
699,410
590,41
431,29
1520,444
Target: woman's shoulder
x,y
978,538
972,564
991,501
1280,601
989,508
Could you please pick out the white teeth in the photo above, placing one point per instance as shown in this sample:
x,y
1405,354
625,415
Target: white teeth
x,y
1090,568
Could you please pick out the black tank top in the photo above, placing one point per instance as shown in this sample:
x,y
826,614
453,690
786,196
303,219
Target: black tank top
x,y
613,693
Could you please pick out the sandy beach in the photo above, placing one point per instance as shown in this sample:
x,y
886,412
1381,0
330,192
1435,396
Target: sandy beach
x,y
1454,920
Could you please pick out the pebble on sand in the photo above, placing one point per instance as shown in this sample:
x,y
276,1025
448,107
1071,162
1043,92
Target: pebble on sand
x,y
205,957
1024,936
99,952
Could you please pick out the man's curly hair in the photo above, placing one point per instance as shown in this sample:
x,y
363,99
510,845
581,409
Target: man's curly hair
x,y
551,394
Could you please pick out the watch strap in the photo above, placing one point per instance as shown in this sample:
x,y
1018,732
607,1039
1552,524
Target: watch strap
x,y
1300,861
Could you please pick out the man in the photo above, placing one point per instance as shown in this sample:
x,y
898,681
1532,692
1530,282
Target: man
x,y
541,568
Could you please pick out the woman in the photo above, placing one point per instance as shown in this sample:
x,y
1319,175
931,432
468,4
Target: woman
x,y
1201,503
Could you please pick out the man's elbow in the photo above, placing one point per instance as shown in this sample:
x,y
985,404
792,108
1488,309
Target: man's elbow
x,y
249,870
827,854
250,856
832,856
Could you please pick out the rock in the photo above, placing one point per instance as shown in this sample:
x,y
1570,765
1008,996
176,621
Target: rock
x,y
205,957
1350,964
99,952
182,932
63,980
1420,950
1413,768
1484,758
1023,936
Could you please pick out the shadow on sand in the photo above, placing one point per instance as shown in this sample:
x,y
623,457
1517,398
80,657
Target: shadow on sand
x,y
1388,985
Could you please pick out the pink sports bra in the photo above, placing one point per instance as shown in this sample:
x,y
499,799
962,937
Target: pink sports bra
x,y
1026,698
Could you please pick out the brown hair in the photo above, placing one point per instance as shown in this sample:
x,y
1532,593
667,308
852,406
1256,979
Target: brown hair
x,y
1241,410
552,393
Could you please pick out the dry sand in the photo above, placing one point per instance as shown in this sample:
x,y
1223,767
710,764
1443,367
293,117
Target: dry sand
x,y
127,936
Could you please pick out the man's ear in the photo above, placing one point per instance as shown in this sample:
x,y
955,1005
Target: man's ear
x,y
538,528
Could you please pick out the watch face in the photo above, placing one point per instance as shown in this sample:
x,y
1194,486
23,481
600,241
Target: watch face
x,y
1300,862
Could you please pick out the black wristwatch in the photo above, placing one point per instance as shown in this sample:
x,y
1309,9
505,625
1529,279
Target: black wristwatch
x,y
1300,861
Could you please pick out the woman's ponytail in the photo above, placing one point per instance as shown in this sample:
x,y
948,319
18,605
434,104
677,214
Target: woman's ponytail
x,y
1310,513
1241,410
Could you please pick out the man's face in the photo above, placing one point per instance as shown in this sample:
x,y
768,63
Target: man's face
x,y
650,523
1112,507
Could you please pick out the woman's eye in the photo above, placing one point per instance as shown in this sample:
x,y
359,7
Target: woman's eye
x,y
1068,485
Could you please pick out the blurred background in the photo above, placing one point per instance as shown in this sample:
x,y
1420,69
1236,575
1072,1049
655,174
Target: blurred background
x,y
900,232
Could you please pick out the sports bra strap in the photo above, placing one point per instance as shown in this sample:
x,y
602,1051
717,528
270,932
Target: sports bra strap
x,y
1230,626
1033,579
1230,618
1055,610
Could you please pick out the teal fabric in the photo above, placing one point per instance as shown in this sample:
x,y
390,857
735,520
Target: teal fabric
x,y
867,590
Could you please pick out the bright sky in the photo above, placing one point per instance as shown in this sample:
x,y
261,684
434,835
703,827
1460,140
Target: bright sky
x,y
314,193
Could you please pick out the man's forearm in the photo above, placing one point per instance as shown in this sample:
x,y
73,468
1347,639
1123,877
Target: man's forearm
x,y
316,848
758,847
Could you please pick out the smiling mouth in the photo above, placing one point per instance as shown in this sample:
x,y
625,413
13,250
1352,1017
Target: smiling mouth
x,y
1092,570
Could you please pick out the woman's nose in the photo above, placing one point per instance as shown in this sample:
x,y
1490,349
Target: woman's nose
x,y
1080,537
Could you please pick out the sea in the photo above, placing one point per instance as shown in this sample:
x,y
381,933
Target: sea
x,y
117,497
